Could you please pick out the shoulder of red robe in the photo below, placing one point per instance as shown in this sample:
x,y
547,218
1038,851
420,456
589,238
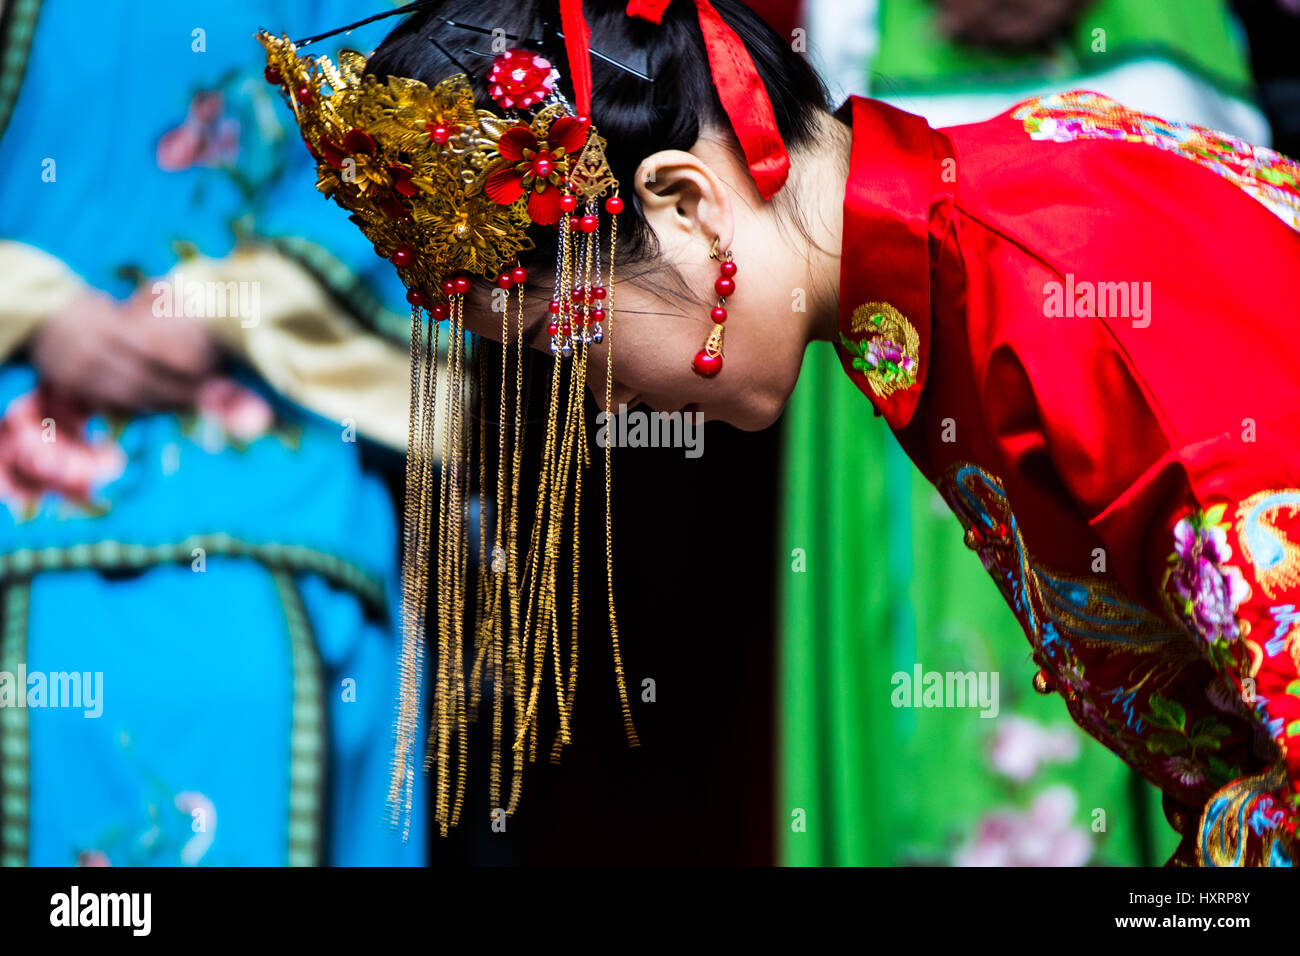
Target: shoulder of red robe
x,y
885,317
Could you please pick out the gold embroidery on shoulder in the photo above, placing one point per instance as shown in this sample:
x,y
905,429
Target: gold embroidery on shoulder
x,y
889,352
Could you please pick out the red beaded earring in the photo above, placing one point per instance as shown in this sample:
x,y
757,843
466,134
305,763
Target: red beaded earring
x,y
708,360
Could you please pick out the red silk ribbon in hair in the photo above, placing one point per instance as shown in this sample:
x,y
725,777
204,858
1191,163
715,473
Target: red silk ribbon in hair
x,y
740,89
745,99
577,46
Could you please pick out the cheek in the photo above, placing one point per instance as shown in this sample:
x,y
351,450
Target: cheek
x,y
653,355
762,356
652,352
653,345
490,311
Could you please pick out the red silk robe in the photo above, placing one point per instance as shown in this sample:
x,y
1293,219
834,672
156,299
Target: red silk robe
x,y
1080,322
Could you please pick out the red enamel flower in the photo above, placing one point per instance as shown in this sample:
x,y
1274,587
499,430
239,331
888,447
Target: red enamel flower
x,y
536,165
520,78
393,208
402,182
356,142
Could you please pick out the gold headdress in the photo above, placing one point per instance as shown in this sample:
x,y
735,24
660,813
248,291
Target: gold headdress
x,y
448,191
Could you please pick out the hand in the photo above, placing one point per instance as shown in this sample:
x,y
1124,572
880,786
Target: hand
x,y
121,356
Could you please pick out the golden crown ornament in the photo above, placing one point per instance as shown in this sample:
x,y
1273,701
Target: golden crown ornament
x,y
449,192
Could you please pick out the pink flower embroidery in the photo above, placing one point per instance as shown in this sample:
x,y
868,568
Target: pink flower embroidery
x,y
205,138
43,450
1185,770
240,412
1209,588
1224,698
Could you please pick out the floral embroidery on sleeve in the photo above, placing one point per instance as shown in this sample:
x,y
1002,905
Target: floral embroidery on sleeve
x,y
1205,590
1250,820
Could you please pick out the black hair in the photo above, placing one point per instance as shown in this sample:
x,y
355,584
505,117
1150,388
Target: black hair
x,y
636,117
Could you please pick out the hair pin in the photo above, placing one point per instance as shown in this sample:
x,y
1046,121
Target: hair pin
x,y
405,8
539,44
418,4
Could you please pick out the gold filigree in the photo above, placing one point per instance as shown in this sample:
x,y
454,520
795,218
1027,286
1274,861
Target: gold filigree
x,y
591,175
374,141
411,165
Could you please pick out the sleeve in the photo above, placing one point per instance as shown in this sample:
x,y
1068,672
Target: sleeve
x,y
1208,533
1134,312
35,285
1221,552
1218,582
302,341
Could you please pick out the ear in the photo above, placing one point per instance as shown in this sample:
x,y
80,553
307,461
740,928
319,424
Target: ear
x,y
684,200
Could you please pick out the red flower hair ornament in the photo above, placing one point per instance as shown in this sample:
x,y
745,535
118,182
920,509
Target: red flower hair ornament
x,y
521,78
537,162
